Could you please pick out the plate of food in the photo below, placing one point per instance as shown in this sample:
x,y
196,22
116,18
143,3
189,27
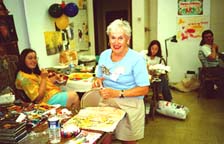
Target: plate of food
x,y
80,76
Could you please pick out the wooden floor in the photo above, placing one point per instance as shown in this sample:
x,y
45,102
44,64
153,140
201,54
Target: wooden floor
x,y
204,123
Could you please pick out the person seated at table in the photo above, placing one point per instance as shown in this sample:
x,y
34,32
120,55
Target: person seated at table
x,y
154,56
122,74
37,84
209,56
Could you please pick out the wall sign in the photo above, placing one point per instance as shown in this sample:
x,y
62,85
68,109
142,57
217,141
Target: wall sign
x,y
190,7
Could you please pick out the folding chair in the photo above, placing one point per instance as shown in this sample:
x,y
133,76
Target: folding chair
x,y
90,98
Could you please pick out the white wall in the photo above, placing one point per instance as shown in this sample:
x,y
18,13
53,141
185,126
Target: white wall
x,y
182,56
217,22
38,22
138,24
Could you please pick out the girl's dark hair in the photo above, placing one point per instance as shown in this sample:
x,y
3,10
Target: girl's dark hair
x,y
155,42
203,36
22,64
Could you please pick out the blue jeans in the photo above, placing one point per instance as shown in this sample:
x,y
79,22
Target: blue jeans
x,y
164,88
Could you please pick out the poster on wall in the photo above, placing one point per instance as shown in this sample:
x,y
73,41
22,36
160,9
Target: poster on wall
x,y
53,42
190,7
191,27
81,31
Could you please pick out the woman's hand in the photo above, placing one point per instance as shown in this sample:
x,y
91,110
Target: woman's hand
x,y
215,47
44,73
214,51
109,93
98,82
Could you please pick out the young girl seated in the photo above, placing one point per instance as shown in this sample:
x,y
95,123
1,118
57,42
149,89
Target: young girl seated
x,y
37,84
154,56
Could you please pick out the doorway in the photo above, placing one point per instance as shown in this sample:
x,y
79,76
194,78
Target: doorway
x,y
104,13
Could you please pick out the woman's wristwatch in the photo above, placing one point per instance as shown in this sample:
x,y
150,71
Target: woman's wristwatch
x,y
122,94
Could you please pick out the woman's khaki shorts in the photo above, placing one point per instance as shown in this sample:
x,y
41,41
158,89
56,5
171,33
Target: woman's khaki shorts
x,y
131,127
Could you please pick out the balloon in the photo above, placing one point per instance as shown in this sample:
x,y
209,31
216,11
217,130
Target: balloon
x,y
55,10
62,22
71,9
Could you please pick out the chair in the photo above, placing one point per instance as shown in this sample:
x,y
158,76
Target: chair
x,y
20,94
209,75
154,98
90,98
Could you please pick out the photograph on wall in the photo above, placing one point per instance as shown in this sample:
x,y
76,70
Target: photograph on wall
x,y
190,7
191,27
53,42
81,31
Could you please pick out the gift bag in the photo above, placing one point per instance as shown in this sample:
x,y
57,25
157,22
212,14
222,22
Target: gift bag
x,y
7,96
172,109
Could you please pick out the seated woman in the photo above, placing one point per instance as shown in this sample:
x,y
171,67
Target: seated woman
x,y
209,51
37,84
209,56
154,56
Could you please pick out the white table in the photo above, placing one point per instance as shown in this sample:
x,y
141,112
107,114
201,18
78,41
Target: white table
x,y
83,85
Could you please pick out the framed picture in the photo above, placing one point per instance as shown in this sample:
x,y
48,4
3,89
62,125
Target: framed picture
x,y
7,29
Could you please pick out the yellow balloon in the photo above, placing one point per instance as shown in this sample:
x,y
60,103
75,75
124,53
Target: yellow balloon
x,y
62,22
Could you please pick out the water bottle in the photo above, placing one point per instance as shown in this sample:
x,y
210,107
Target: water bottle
x,y
54,128
71,67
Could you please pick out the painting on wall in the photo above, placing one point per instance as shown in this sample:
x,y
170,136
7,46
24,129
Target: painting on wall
x,y
53,41
190,7
191,27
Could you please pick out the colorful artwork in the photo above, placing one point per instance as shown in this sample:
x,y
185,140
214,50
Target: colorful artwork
x,y
53,41
191,27
190,7
97,118
81,35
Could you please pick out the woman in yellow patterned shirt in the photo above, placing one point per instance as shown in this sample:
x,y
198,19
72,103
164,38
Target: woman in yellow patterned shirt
x,y
38,86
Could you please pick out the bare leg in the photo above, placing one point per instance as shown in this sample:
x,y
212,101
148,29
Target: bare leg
x,y
73,102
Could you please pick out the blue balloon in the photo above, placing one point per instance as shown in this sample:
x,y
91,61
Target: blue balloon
x,y
71,10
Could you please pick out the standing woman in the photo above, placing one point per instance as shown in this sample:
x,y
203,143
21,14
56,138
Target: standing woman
x,y
38,86
155,57
123,77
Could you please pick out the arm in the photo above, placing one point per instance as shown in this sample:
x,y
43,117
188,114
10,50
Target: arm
x,y
42,88
112,93
214,52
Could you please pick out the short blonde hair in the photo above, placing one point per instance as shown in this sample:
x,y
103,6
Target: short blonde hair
x,y
119,24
